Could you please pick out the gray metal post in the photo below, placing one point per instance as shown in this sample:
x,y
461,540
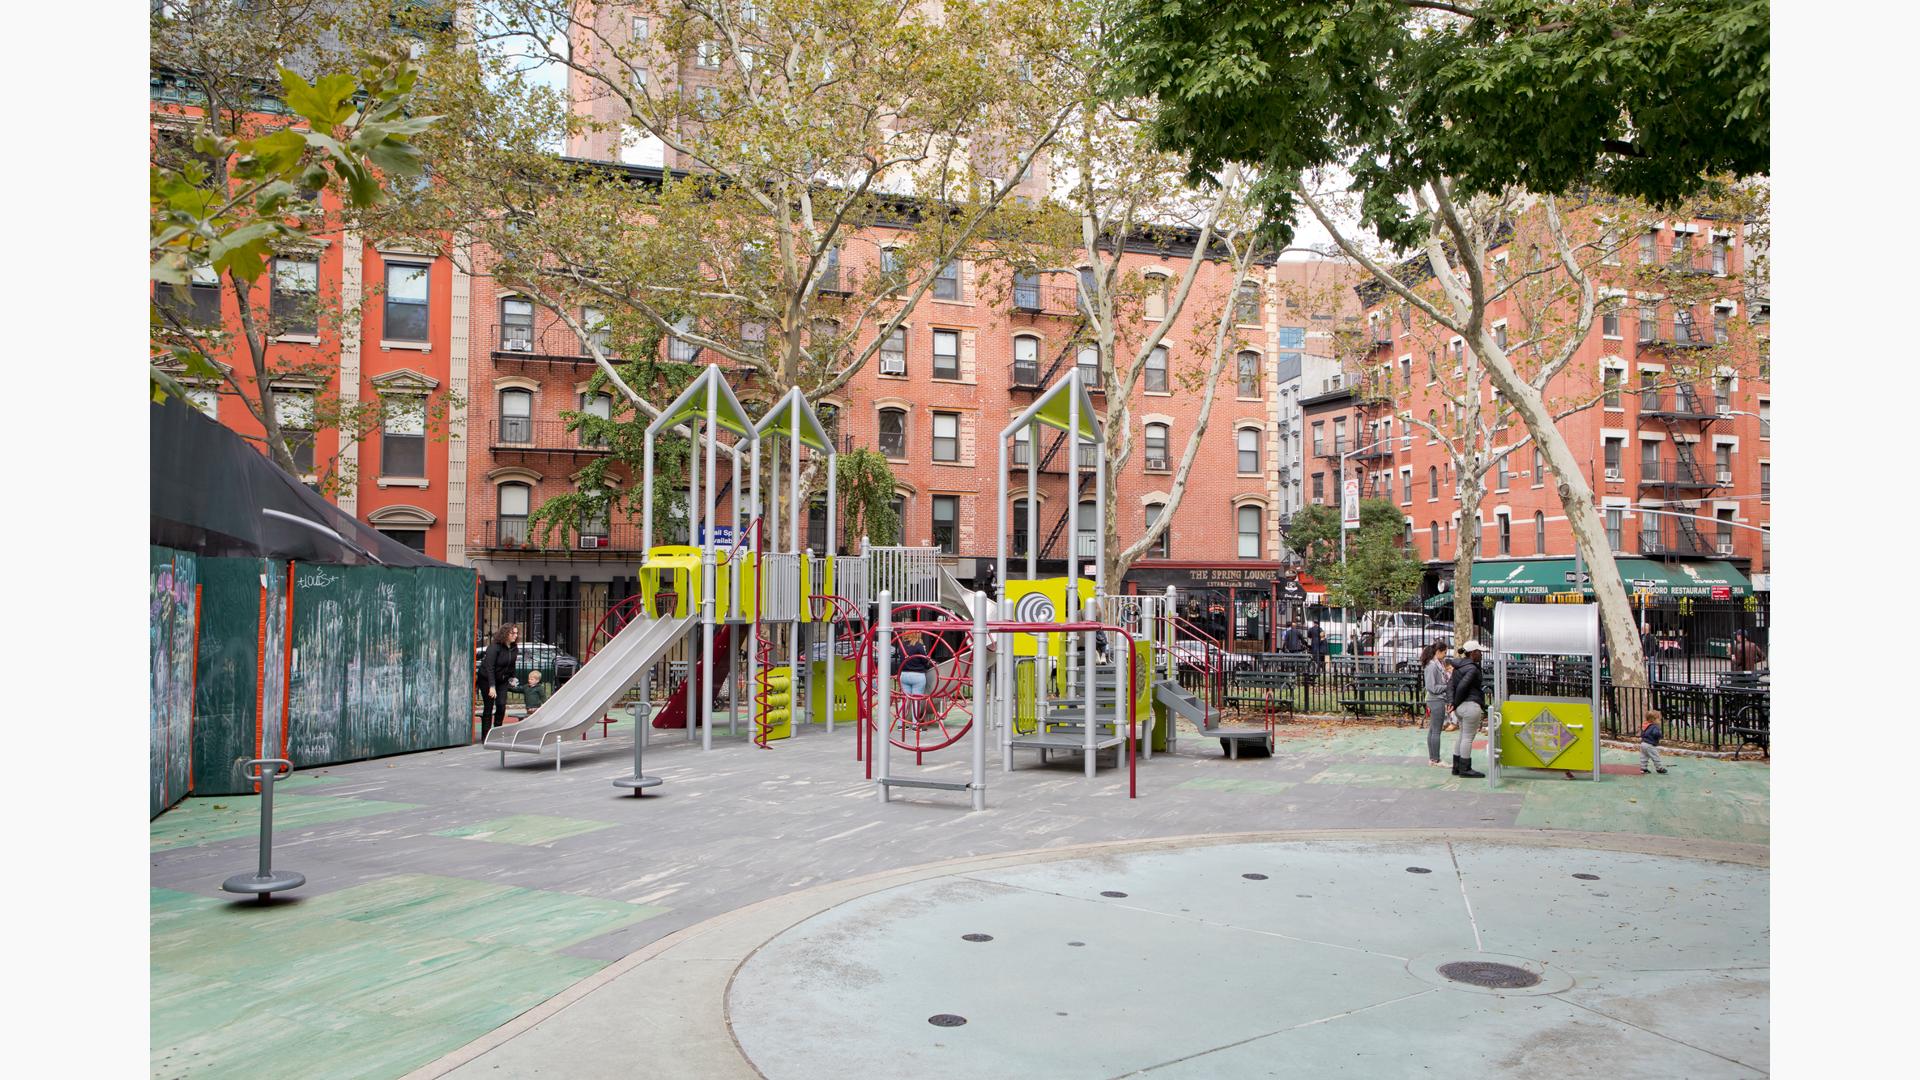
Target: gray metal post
x,y
833,561
883,694
756,521
1000,530
263,884
642,719
646,509
978,737
1099,520
708,581
1008,667
1033,502
1087,710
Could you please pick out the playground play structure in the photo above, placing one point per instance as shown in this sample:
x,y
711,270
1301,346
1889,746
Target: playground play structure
x,y
798,639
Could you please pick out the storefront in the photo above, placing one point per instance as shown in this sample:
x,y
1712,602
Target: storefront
x,y
1227,601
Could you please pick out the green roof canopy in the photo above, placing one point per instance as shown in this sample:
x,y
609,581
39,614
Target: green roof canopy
x,y
779,421
1508,578
692,405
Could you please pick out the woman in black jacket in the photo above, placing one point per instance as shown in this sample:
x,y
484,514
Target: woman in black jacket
x,y
496,675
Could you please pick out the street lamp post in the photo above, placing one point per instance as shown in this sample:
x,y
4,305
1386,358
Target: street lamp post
x,y
1346,613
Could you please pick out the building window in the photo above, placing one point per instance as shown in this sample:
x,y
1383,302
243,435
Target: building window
x,y
1459,352
893,433
707,55
1433,366
1610,381
295,300
595,405
946,436
1650,460
817,525
1026,291
893,352
1433,483
1249,369
1021,524
946,283
1648,241
1721,317
1433,538
1157,289
1610,319
1319,486
1340,437
1319,440
1610,246
1723,394
679,349
1501,477
1613,446
406,302
1247,442
1723,520
1157,370
1406,485
1766,418
946,522
516,325
1500,335
1649,532
198,302
1539,469
1648,323
899,508
1088,360
946,354
1539,533
1504,523
830,271
600,334
516,416
411,539
403,438
1086,542
1248,520
1157,447
594,519
1026,361
892,274
1766,481
294,411
514,502
640,28
1161,548
1246,304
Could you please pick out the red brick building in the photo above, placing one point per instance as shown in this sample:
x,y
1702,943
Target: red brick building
x,y
366,319
1698,452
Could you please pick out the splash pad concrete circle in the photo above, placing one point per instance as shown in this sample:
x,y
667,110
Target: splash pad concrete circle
x,y
1310,958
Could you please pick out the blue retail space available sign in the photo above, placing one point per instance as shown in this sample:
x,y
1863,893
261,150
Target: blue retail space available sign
x,y
722,535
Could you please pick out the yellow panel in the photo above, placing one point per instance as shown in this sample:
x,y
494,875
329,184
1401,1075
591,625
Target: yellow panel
x,y
1548,733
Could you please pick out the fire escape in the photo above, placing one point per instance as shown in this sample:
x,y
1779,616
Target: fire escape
x,y
1033,300
1680,484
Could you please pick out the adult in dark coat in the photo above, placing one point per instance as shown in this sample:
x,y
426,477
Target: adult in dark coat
x,y
496,676
1317,644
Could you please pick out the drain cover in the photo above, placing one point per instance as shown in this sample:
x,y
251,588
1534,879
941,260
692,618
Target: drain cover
x,y
1254,877
946,1020
1077,944
1113,894
1418,870
976,937
1487,973
1588,877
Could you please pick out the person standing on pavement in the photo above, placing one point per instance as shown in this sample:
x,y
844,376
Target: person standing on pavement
x,y
1438,681
1293,641
1469,707
1317,644
1746,655
496,676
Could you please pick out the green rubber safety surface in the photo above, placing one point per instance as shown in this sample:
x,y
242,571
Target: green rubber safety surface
x,y
372,980
217,818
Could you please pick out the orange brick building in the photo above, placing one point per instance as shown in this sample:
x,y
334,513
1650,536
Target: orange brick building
x,y
1701,450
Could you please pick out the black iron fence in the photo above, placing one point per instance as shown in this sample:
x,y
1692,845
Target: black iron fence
x,y
1726,711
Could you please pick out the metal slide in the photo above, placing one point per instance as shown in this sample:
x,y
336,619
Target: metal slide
x,y
953,596
1256,740
593,689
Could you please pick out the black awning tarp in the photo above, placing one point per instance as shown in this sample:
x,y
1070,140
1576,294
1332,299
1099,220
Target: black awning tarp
x,y
210,489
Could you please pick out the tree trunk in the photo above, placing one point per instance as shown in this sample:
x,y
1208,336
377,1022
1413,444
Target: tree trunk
x,y
1628,665
1466,548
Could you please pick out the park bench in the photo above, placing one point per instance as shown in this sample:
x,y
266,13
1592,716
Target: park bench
x,y
1397,690
1263,688
1749,719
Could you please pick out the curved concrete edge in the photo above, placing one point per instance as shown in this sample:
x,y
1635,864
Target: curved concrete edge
x,y
693,968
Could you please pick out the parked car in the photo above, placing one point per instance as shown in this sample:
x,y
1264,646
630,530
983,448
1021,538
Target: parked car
x,y
555,666
1194,654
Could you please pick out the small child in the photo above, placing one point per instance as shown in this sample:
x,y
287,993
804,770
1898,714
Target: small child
x,y
535,692
1650,743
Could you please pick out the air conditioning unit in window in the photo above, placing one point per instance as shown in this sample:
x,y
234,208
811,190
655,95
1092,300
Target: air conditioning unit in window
x,y
1615,475
518,345
1156,463
1725,476
893,365
593,541
1724,547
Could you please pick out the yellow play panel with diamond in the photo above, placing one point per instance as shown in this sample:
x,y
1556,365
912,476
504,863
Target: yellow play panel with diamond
x,y
1548,733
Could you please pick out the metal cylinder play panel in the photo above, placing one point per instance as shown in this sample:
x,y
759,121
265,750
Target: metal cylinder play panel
x,y
1541,731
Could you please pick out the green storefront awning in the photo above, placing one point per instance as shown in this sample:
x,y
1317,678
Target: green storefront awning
x,y
1508,579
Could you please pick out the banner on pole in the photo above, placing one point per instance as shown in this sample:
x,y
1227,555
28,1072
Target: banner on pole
x,y
1350,505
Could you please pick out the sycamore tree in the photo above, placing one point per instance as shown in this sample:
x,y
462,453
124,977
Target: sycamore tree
x,y
1539,265
830,164
1428,106
252,159
1378,572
